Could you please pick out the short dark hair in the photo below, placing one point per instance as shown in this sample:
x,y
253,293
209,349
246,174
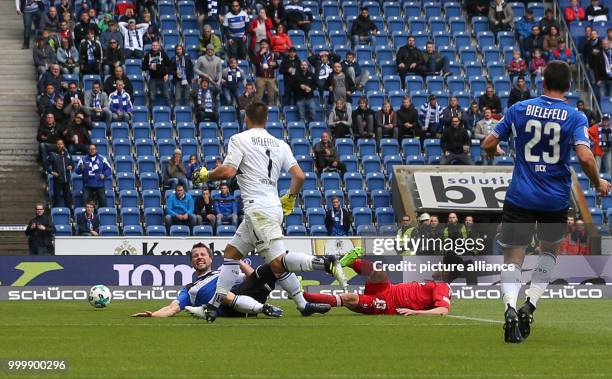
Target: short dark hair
x,y
557,76
257,112
179,185
201,245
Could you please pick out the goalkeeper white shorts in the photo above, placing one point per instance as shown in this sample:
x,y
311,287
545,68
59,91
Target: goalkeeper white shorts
x,y
257,230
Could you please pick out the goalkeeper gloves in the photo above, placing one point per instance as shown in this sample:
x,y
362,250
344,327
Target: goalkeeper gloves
x,y
288,203
200,176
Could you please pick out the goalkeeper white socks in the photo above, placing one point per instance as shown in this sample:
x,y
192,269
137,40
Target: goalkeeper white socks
x,y
541,277
230,271
290,283
511,284
246,304
298,262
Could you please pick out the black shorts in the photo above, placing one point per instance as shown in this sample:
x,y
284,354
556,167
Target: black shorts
x,y
519,225
258,286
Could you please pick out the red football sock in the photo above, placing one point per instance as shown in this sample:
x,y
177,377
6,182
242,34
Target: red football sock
x,y
362,267
321,298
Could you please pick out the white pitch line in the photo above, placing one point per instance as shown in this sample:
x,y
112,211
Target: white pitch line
x,y
476,319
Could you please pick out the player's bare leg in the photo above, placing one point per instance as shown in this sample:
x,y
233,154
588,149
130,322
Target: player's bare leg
x,y
511,285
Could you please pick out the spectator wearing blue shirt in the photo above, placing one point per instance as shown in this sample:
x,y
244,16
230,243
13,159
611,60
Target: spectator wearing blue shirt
x,y
226,206
524,25
95,169
337,219
235,23
179,208
120,103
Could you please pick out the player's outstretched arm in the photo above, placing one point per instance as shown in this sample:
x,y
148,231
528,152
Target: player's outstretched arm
x,y
223,172
587,162
438,311
167,311
491,146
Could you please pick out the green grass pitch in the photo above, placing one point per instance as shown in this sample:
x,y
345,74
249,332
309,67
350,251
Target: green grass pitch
x,y
570,339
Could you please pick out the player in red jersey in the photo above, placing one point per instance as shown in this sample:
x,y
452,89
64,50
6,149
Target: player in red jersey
x,y
382,297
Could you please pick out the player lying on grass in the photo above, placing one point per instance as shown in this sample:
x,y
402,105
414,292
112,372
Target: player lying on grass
x,y
382,297
248,295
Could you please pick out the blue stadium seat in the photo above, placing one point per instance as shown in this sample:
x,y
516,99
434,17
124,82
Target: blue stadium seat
x,y
437,24
502,84
538,10
156,230
366,146
362,216
480,24
452,9
344,146
203,231
146,163
226,230
126,181
366,231
144,147
227,114
108,216
186,130
154,215
415,160
387,230
165,147
180,230
478,85
330,180
414,83
467,53
597,215
353,181
130,216
375,180
296,129
149,180
351,162
411,146
101,146
432,9
318,231
432,147
412,9
132,231
128,198
442,38
124,163
315,216
109,230
381,198
60,216
120,130
63,230
295,218
306,162
163,130
503,161
389,146
296,230
370,163
311,198
357,198
189,21
141,130
390,161
385,215
211,146
208,130
590,197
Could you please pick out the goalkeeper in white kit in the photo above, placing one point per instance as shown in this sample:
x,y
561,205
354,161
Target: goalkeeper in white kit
x,y
257,158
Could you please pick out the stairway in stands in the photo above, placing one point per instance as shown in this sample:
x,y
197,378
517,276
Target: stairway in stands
x,y
21,182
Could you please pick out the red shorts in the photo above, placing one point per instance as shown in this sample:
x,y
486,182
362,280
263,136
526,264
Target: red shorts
x,y
376,299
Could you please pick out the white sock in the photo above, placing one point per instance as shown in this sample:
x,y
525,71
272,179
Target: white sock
x,y
246,304
227,278
541,277
511,285
290,283
298,262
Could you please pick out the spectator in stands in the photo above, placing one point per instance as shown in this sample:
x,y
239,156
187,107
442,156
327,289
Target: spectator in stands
x,y
519,92
61,117
152,34
247,97
473,115
403,234
73,92
548,21
501,17
590,115
289,66
435,229
596,12
192,166
602,69
90,54
113,57
59,166
225,206
386,122
576,241
430,115
326,155
323,67
110,84
490,100
363,29
65,31
74,106
32,12
88,222
120,103
281,42
157,64
340,120
477,8
133,38
276,12
574,12
95,169
209,66
537,64
352,68
601,142
483,128
51,39
535,41
205,102
524,27
454,230
298,16
552,38
258,30
47,135
76,134
54,77
180,208
47,100
40,231
409,59
112,33
209,38
50,21
340,85
455,143
337,219
453,110
265,72
364,120
44,56
205,209
82,28
175,172
234,23
182,75
517,66
128,13
303,85
233,81
68,57
563,53
435,63
407,120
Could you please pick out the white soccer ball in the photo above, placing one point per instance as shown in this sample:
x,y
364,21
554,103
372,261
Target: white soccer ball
x,y
99,296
